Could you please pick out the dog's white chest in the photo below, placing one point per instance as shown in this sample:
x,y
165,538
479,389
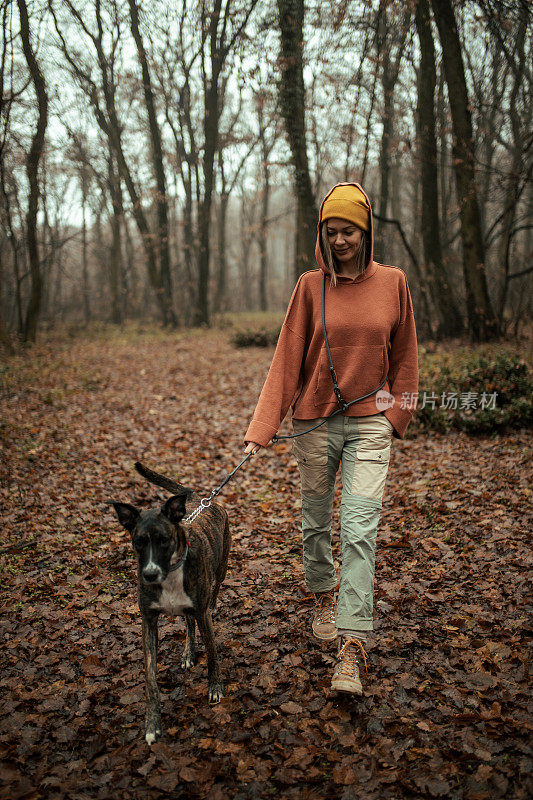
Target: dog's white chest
x,y
173,599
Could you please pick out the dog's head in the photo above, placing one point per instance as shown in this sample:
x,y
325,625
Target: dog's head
x,y
154,535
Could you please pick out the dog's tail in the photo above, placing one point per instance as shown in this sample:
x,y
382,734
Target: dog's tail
x,y
162,480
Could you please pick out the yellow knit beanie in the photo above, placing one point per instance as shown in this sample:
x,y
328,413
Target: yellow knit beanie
x,y
348,202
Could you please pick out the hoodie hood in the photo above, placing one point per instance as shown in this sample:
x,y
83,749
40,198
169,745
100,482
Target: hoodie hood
x,y
370,265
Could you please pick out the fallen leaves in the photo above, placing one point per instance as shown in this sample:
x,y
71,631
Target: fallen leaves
x,y
445,707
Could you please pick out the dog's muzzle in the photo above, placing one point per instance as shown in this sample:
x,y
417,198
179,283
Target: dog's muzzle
x,y
152,574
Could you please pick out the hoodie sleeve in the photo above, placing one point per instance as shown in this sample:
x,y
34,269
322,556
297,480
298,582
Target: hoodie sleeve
x,y
282,382
403,365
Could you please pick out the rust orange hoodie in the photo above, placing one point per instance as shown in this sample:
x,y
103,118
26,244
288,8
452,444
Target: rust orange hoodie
x,y
371,334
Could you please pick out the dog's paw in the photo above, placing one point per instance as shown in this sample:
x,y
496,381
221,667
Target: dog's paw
x,y
187,661
152,736
216,693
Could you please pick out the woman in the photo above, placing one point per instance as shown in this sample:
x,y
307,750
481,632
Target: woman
x,y
371,333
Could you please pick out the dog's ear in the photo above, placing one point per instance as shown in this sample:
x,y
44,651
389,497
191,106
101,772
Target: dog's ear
x,y
174,508
127,515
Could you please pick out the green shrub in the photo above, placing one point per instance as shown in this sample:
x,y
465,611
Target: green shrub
x,y
255,338
503,373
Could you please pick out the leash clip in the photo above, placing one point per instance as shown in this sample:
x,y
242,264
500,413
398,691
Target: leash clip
x,y
341,402
205,502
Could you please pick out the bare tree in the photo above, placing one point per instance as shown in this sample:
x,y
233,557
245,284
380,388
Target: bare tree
x,y
521,149
443,296
32,169
230,137
215,20
174,68
103,102
267,141
292,104
162,238
390,39
483,324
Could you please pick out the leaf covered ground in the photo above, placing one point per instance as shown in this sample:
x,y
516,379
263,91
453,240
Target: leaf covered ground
x,y
446,710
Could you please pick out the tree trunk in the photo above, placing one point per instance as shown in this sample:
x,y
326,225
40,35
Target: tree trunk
x,y
32,169
483,325
108,121
129,277
443,145
5,340
84,259
450,322
245,251
57,289
221,277
132,278
386,35
188,169
162,245
368,128
116,242
211,123
292,103
13,241
263,231
266,149
513,190
211,118
494,107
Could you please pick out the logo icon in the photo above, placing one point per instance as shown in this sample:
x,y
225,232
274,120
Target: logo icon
x,y
384,400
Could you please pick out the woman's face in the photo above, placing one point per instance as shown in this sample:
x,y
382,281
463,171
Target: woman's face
x,y
344,238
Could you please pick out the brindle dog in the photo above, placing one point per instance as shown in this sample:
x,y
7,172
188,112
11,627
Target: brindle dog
x,y
180,568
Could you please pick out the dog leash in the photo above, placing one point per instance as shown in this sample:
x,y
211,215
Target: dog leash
x,y
205,502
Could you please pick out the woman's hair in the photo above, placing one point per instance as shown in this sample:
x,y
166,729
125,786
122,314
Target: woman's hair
x,y
331,261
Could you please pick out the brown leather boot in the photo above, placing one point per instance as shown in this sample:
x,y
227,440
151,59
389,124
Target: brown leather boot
x,y
324,618
346,673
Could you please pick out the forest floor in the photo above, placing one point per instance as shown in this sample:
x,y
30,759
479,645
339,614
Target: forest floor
x,y
446,709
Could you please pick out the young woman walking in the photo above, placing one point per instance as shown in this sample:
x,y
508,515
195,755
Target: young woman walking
x,y
370,329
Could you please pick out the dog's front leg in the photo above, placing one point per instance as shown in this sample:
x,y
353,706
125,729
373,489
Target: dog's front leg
x,y
188,658
216,689
153,706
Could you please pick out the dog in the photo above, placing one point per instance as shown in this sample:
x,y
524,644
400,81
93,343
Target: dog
x,y
180,568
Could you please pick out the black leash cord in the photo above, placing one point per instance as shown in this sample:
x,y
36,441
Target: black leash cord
x,y
205,502
277,438
231,474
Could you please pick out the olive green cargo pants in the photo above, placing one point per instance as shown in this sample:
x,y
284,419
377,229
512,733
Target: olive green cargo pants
x,y
362,445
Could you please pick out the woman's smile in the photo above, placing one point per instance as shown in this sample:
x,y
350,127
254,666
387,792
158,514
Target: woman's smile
x,y
344,239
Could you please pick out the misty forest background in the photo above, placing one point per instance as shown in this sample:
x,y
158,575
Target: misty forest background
x,y
161,169
166,161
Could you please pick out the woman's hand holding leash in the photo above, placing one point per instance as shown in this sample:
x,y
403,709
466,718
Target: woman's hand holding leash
x,y
253,447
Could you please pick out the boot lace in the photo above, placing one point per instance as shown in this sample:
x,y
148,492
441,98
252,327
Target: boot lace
x,y
348,656
325,609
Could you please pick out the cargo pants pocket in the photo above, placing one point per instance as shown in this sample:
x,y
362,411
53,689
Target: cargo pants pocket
x,y
370,472
311,453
